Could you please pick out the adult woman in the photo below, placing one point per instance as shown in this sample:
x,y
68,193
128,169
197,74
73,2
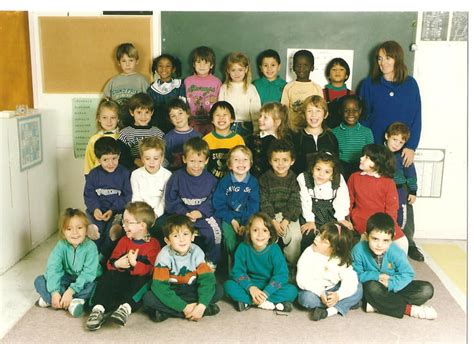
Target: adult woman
x,y
391,95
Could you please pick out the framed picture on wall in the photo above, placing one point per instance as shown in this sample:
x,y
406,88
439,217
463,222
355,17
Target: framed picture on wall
x,y
30,141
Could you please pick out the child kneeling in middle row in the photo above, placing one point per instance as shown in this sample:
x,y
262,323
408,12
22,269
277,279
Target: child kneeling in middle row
x,y
183,285
260,275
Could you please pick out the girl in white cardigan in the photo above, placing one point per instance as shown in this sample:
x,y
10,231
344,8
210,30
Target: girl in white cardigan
x,y
328,284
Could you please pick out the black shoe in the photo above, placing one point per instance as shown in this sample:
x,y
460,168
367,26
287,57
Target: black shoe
x,y
415,254
287,306
212,309
157,316
319,313
242,306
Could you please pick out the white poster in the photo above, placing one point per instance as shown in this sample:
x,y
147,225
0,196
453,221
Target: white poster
x,y
321,59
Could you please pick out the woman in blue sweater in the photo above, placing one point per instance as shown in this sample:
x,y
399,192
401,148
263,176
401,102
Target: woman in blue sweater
x,y
391,95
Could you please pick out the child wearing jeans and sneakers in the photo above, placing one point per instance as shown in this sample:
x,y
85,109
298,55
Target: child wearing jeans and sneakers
x,y
72,266
129,269
387,276
184,285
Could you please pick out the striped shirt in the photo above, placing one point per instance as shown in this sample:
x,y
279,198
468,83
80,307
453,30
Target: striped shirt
x,y
134,134
351,141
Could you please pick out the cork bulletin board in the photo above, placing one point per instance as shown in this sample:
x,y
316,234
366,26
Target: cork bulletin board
x,y
78,53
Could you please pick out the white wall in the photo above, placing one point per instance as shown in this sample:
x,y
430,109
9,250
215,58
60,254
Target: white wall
x,y
441,72
440,69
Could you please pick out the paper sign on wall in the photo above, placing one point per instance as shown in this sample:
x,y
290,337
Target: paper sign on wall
x,y
83,123
321,59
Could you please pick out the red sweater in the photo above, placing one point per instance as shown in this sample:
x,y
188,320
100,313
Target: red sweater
x,y
369,195
147,252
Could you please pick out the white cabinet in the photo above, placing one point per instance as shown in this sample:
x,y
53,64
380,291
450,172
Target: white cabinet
x,y
28,198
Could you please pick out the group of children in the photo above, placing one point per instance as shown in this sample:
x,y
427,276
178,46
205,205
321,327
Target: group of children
x,y
288,198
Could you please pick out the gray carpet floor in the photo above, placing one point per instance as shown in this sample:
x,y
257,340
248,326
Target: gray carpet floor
x,y
255,326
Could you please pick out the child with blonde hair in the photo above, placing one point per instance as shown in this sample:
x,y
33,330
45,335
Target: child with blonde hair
x,y
328,283
202,89
237,196
259,276
315,136
238,91
107,121
124,85
72,267
272,124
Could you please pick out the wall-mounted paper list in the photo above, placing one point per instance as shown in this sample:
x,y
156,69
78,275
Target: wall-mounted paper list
x,y
83,123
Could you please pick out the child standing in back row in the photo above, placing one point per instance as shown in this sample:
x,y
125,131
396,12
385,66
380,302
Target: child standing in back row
x,y
337,72
270,85
167,86
272,124
73,265
107,118
202,89
297,91
124,85
238,91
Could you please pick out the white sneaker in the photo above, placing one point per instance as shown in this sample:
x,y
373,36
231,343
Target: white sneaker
x,y
267,305
42,303
76,307
369,308
423,312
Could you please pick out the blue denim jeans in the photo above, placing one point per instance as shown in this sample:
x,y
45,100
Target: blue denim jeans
x,y
66,280
310,300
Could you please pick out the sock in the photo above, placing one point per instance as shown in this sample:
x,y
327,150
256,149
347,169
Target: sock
x,y
99,308
408,309
127,307
331,311
266,305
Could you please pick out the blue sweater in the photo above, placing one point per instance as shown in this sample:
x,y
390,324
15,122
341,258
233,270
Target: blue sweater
x,y
395,264
174,141
81,263
255,268
236,200
405,175
104,190
185,193
387,102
